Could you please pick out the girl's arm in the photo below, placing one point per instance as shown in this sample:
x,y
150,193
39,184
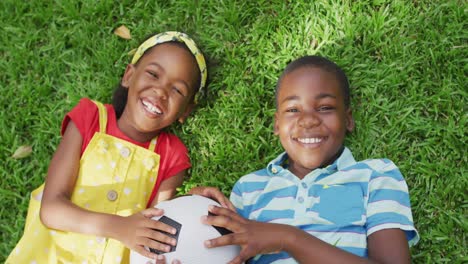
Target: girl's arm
x,y
58,212
168,187
385,246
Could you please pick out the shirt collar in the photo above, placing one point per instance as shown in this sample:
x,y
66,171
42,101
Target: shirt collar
x,y
346,159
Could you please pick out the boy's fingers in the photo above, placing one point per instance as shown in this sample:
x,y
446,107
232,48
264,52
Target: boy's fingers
x,y
226,203
222,221
219,196
230,239
226,212
236,260
214,193
198,190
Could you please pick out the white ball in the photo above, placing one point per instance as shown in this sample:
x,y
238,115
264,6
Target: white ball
x,y
187,211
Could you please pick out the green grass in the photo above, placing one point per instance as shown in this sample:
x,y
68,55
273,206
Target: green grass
x,y
406,61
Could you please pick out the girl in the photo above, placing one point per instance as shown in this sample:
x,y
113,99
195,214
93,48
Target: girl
x,y
114,161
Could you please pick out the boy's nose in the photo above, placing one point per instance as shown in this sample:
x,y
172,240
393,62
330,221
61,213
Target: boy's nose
x,y
308,120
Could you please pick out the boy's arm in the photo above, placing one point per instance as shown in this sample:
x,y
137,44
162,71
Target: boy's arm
x,y
385,246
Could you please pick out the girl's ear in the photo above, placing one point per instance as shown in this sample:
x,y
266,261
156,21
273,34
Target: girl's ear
x,y
349,120
186,113
276,126
126,78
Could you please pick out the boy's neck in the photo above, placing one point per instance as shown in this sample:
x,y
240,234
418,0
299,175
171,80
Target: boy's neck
x,y
303,173
333,159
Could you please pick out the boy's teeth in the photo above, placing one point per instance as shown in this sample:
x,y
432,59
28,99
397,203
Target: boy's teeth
x,y
309,140
153,109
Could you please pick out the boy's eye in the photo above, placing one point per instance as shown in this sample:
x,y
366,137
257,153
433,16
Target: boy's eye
x,y
325,108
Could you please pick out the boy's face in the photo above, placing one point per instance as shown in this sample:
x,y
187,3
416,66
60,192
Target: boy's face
x,y
311,119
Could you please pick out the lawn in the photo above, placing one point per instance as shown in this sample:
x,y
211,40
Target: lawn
x,y
406,61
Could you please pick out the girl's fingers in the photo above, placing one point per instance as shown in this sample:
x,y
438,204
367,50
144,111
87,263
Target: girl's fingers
x,y
142,251
151,212
154,245
159,237
160,259
160,226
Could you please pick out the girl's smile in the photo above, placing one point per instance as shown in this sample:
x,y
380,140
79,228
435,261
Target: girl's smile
x,y
161,87
152,108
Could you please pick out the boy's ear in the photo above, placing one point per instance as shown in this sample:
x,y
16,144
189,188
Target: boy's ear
x,y
276,127
129,70
186,113
349,120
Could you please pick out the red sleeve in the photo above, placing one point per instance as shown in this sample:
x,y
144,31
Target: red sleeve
x,y
174,158
85,116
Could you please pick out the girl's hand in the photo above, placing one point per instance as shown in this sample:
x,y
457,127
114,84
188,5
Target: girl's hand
x,y
213,193
139,230
161,259
253,237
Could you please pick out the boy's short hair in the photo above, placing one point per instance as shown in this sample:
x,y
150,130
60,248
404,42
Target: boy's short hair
x,y
324,64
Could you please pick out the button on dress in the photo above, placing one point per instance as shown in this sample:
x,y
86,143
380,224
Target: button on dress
x,y
115,177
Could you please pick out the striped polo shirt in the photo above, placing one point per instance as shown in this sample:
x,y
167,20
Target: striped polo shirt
x,y
341,204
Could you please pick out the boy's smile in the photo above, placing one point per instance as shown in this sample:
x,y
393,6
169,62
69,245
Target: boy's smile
x,y
311,119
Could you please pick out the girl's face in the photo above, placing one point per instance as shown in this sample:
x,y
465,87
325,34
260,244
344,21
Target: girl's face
x,y
311,118
161,87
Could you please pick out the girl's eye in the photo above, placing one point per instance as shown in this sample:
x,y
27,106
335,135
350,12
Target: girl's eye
x,y
177,90
153,74
292,110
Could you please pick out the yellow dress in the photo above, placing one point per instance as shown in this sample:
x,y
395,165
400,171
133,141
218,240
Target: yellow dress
x,y
115,177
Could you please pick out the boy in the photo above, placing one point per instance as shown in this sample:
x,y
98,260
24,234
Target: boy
x,y
314,203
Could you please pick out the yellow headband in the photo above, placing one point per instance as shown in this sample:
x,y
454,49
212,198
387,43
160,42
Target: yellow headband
x,y
179,37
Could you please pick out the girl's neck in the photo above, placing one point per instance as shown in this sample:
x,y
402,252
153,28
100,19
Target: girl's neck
x,y
134,134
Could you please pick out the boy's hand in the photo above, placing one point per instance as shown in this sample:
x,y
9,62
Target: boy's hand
x,y
139,230
253,237
213,193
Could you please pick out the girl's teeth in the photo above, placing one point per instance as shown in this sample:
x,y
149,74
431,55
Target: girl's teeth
x,y
151,108
309,140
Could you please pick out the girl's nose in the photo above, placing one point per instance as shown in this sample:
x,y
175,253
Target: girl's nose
x,y
308,120
161,92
